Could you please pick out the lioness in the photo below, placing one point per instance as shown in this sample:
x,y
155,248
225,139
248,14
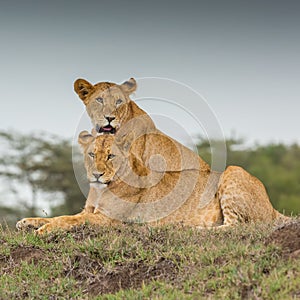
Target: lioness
x,y
240,197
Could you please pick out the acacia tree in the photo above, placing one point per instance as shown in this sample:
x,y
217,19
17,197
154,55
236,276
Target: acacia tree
x,y
36,167
19,167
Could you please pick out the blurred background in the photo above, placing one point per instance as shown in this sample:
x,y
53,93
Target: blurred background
x,y
243,57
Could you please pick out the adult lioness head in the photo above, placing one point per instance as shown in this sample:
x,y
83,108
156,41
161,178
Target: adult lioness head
x,y
113,112
106,102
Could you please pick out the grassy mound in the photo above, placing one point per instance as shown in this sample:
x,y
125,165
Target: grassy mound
x,y
139,262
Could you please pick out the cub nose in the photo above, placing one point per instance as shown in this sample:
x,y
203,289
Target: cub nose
x,y
109,119
97,175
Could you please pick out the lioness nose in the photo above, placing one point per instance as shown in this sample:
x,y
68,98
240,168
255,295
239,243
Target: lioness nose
x,y
109,119
97,175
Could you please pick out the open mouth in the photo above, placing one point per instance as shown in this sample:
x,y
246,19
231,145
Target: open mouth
x,y
106,129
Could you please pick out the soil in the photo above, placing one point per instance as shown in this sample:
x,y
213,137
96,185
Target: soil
x,y
132,275
287,236
28,254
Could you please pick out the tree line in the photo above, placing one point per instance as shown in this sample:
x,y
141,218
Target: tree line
x,y
277,165
39,167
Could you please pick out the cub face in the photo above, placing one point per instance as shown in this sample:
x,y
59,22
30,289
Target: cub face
x,y
102,157
105,103
108,157
87,142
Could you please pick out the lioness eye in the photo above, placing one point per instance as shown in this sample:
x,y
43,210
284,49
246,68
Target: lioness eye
x,y
91,154
99,100
110,156
119,101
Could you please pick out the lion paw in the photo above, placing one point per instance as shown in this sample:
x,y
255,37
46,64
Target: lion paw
x,y
25,224
30,223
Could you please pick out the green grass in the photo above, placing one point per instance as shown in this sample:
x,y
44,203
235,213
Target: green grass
x,y
139,262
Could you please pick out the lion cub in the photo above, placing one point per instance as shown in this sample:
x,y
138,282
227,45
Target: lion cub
x,y
90,212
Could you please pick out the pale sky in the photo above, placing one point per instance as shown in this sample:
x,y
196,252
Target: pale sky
x,y
242,57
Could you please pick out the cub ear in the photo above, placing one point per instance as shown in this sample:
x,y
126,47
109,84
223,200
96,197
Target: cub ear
x,y
129,86
94,132
83,88
85,138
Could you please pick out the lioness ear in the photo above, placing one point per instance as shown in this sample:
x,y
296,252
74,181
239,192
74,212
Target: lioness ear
x,y
83,88
85,138
129,86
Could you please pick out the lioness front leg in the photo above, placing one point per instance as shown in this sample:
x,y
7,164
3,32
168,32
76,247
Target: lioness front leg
x,y
32,223
67,222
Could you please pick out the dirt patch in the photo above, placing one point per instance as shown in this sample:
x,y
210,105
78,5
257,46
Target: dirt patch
x,y
99,280
132,276
288,237
27,253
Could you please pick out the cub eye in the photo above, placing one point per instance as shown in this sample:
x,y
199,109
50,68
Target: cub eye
x,y
91,154
119,101
110,156
99,100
